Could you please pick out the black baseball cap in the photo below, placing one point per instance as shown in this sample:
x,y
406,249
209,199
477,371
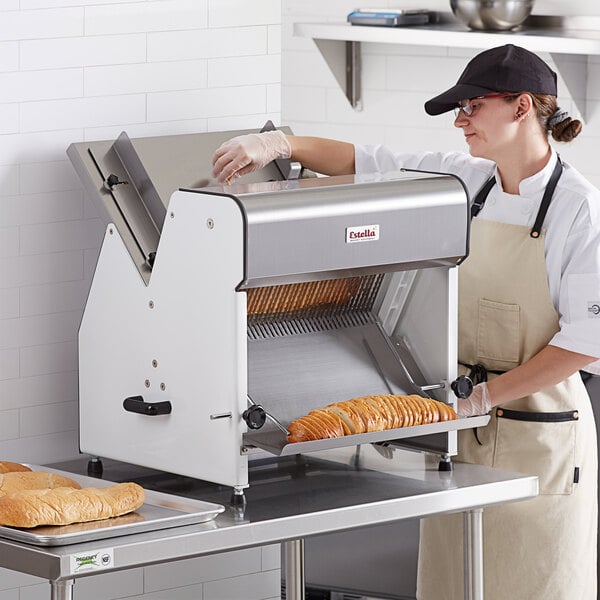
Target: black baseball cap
x,y
503,69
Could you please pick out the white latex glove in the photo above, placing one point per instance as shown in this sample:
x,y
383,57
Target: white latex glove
x,y
246,153
478,403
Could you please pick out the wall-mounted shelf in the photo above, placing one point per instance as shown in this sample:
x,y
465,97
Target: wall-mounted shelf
x,y
569,40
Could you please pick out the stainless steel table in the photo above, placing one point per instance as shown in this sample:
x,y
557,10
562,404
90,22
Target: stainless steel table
x,y
288,500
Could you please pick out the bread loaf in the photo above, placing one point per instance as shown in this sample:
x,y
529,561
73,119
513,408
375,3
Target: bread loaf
x,y
64,505
293,297
367,414
10,467
33,480
128,519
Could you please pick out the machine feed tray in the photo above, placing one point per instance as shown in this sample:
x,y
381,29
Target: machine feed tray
x,y
159,511
274,441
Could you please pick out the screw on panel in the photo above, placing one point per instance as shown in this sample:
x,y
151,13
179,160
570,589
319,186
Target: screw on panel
x,y
163,387
210,223
155,363
172,215
110,231
151,304
147,383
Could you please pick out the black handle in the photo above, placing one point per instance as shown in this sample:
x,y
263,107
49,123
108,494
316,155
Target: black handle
x,y
255,416
136,404
462,386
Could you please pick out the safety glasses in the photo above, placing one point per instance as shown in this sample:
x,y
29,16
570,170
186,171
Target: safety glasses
x,y
471,106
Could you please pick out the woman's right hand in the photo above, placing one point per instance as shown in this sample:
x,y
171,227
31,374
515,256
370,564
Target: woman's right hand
x,y
246,153
478,403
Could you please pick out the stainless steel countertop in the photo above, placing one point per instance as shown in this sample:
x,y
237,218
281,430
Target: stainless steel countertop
x,y
288,498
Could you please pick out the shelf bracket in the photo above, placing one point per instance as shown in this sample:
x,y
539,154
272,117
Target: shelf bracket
x,y
344,61
573,68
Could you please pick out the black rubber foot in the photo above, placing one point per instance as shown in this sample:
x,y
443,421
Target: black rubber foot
x,y
95,468
445,466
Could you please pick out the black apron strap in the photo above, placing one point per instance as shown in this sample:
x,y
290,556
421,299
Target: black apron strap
x,y
481,196
539,220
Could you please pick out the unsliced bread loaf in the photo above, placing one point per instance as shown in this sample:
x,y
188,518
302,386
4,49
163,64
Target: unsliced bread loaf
x,y
368,414
63,506
128,519
33,480
10,467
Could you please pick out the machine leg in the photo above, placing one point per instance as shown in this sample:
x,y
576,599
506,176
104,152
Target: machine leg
x,y
238,498
62,590
473,553
294,570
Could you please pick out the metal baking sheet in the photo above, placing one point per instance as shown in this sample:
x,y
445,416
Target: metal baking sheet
x,y
159,511
274,441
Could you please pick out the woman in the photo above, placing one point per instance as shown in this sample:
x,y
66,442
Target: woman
x,y
529,294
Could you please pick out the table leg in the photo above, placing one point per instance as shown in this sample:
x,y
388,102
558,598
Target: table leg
x,y
473,553
294,570
62,590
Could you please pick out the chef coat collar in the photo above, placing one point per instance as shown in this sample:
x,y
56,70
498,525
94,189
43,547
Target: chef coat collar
x,y
536,184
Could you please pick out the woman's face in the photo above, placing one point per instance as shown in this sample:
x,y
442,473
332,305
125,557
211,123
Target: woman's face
x,y
491,128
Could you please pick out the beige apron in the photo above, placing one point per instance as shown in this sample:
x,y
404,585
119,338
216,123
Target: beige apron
x,y
539,549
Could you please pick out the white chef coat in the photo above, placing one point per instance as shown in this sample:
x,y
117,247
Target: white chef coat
x,y
572,243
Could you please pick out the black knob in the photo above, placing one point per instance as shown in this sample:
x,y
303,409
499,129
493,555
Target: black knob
x,y
112,180
462,386
255,416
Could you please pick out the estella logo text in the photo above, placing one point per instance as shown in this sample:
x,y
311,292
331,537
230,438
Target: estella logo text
x,y
363,233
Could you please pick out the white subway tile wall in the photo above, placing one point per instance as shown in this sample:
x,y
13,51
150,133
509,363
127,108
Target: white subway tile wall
x,y
82,51
31,25
75,70
55,358
9,117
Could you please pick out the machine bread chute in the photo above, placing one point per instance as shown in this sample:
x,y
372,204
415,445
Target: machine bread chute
x,y
219,314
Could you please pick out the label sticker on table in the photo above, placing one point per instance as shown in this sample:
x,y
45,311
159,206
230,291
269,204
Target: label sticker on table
x,y
92,560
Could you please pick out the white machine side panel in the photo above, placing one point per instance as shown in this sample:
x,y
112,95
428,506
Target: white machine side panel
x,y
429,326
181,339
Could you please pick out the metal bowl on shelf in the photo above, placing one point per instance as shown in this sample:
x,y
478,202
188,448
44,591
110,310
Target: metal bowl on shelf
x,y
492,15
